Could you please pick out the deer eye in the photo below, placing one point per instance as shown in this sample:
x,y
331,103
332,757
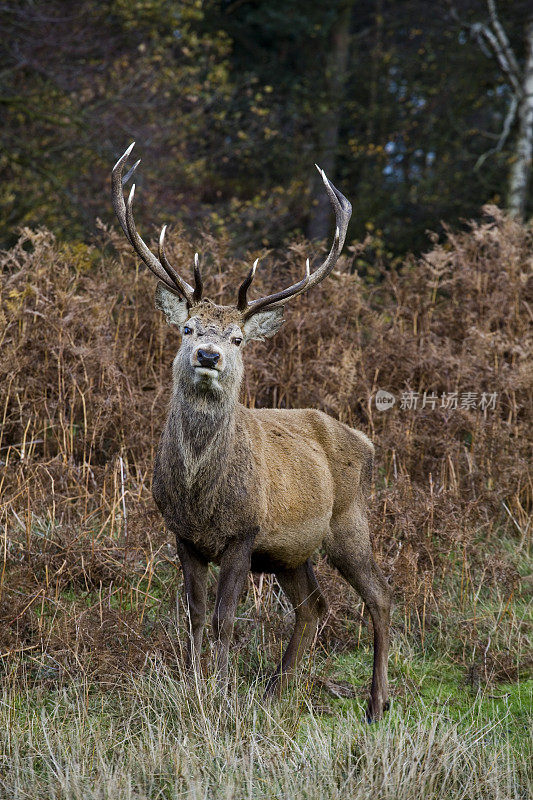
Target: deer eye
x,y
187,331
237,340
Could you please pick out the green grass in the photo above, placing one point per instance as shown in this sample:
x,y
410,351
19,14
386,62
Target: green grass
x,y
426,686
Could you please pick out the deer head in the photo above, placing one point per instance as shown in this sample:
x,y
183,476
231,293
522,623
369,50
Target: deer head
x,y
209,359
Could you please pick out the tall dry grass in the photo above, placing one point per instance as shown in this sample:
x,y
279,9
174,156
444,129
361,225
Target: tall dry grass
x,y
164,738
88,574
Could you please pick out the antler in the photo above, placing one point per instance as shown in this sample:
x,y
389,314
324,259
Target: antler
x,y
160,267
343,212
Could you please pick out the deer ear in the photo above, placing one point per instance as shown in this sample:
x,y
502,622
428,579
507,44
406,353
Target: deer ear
x,y
172,305
264,324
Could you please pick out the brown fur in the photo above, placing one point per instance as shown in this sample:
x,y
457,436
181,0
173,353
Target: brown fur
x,y
261,490
210,312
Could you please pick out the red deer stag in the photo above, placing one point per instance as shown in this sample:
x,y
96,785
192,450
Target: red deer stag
x,y
256,489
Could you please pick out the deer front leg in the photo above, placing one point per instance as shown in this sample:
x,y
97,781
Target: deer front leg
x,y
195,589
234,569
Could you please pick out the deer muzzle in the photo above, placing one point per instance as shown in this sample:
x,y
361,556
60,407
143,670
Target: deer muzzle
x,y
208,359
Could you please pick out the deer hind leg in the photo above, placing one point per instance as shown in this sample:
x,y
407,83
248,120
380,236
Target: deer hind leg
x,y
350,552
301,587
195,590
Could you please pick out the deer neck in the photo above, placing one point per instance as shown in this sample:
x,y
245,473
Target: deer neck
x,y
201,433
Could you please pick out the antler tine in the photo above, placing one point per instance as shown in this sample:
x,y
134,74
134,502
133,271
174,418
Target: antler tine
x,y
116,188
242,302
198,283
343,211
278,298
182,286
169,278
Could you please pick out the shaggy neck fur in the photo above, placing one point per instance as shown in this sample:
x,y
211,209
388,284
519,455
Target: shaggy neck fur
x,y
201,431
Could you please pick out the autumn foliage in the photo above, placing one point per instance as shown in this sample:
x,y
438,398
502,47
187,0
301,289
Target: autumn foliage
x,y
88,572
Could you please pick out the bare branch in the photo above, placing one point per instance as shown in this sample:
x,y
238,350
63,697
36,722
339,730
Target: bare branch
x,y
507,125
493,38
479,30
503,38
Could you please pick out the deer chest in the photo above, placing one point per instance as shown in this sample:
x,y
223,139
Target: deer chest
x,y
207,517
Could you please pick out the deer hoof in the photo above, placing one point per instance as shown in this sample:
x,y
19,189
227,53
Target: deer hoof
x,y
374,714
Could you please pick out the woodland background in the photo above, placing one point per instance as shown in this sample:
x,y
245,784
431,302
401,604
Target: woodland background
x,y
419,112
232,101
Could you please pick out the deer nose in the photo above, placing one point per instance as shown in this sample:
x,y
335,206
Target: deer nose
x,y
207,358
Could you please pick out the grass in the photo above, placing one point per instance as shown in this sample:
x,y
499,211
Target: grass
x,y
101,707
161,735
453,731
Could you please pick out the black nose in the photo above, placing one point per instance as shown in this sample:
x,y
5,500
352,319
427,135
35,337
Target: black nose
x,y
207,359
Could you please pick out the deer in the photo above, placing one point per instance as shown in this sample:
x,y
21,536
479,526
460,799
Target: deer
x,y
256,489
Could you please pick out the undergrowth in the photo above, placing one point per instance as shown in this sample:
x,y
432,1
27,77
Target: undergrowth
x,y
89,576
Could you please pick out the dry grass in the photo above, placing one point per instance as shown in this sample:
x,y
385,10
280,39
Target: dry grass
x,y
88,573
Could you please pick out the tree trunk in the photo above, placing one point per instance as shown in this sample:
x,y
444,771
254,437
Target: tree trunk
x,y
521,167
337,60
